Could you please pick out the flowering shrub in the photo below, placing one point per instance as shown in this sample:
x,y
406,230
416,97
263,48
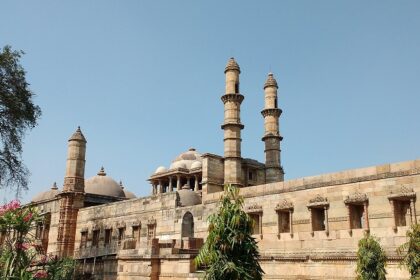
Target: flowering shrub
x,y
20,257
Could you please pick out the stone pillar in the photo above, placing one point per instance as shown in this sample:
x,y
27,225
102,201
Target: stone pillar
x,y
160,187
327,229
153,188
232,125
311,221
291,221
72,197
171,189
391,202
196,183
178,182
271,113
349,218
188,182
413,211
366,214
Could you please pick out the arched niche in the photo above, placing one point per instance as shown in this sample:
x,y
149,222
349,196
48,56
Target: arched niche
x,y
187,225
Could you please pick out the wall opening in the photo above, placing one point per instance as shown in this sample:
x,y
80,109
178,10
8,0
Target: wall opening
x,y
318,219
95,238
187,225
284,221
256,223
357,217
108,235
401,212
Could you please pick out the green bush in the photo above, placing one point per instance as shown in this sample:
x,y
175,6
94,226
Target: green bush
x,y
230,252
371,259
411,252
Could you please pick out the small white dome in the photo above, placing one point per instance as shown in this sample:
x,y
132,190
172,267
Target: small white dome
x,y
161,169
178,164
196,164
186,159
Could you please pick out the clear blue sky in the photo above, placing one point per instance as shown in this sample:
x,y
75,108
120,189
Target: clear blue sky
x,y
144,78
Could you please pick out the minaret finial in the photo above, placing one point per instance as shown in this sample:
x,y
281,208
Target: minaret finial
x,y
102,172
121,185
232,65
271,81
54,186
78,136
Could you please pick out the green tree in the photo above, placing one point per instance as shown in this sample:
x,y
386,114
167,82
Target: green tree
x,y
411,252
17,115
230,252
371,259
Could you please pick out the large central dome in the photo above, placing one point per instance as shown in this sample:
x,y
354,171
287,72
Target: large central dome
x,y
186,159
103,185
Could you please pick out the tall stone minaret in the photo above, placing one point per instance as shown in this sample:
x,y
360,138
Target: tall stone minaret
x,y
271,113
72,197
232,126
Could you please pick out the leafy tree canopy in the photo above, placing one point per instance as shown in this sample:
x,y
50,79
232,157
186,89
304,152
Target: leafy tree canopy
x,y
230,252
411,252
371,259
17,115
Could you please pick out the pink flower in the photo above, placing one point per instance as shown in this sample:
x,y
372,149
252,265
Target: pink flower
x,y
41,274
12,205
27,217
44,259
22,246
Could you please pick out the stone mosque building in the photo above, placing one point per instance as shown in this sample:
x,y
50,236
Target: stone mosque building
x,y
306,228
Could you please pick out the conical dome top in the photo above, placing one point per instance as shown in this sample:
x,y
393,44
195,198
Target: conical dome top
x,y
78,136
232,65
102,172
270,82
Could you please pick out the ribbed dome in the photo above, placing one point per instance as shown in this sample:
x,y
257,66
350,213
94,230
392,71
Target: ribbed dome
x,y
103,185
78,136
232,65
47,194
187,197
271,81
186,159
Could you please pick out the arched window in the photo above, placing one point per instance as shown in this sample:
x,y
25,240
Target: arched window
x,y
187,225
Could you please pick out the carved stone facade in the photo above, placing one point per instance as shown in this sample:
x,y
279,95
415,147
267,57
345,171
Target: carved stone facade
x,y
306,228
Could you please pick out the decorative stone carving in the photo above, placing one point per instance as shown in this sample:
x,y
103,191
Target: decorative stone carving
x,y
151,221
120,224
318,201
356,198
285,205
136,223
404,193
254,208
232,97
84,229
